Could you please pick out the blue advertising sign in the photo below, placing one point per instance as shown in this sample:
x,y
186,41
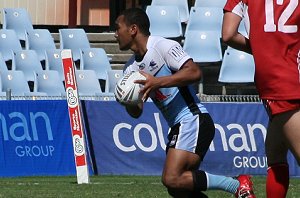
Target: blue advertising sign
x,y
35,138
124,145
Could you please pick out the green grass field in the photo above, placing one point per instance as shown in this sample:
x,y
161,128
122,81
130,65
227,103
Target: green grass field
x,y
109,187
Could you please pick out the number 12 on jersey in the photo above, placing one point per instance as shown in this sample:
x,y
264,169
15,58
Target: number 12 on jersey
x,y
270,25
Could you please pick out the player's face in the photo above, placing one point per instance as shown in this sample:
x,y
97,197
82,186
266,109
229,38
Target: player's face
x,y
123,34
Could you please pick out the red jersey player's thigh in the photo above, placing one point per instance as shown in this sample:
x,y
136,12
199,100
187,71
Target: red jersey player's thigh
x,y
291,130
283,134
178,167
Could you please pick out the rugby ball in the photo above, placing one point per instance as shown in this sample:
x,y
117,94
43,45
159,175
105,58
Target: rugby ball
x,y
126,91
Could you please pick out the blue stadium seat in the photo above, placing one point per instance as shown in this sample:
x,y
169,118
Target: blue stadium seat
x,y
9,42
88,84
39,40
181,4
164,21
2,92
74,39
3,66
17,19
113,76
205,19
203,46
17,83
237,68
95,59
54,61
49,81
210,3
28,62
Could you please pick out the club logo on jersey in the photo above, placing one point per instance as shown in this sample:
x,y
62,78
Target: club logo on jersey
x,y
177,52
142,66
153,65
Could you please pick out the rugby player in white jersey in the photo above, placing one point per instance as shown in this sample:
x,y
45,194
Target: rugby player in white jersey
x,y
170,73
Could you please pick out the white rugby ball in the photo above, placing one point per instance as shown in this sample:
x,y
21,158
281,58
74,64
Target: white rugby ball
x,y
126,91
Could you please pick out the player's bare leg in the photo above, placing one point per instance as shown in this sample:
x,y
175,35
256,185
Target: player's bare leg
x,y
276,151
291,130
177,175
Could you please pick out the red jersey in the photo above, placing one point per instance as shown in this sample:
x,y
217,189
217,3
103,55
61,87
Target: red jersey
x,y
275,42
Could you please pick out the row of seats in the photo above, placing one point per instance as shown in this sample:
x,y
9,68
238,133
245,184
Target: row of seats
x,y
165,20
41,39
28,61
48,83
183,6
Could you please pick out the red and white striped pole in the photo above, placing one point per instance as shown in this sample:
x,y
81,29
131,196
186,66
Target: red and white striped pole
x,y
75,118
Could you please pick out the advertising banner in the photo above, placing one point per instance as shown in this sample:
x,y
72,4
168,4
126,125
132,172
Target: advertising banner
x,y
124,145
35,138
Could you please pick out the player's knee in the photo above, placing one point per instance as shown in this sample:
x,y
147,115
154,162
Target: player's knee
x,y
170,182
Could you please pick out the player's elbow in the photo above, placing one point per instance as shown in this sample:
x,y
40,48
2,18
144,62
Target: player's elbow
x,y
226,37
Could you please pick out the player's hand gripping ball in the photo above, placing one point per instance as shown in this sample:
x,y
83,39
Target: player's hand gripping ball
x,y
127,92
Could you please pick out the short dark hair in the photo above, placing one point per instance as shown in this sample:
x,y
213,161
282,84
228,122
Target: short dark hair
x,y
138,17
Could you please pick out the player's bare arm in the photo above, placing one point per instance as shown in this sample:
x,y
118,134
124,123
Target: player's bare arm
x,y
189,73
230,34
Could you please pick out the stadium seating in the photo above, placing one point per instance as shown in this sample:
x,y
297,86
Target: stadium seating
x,y
28,62
205,19
203,46
16,82
17,19
2,93
181,4
87,83
210,3
39,40
9,42
113,76
54,62
49,81
95,59
74,39
237,68
3,66
164,21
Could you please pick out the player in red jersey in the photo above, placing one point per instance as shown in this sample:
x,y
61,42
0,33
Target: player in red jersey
x,y
274,41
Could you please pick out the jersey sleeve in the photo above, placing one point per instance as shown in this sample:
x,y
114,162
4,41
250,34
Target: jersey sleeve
x,y
172,53
235,6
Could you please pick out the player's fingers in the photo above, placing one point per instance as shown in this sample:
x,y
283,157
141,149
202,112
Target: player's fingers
x,y
146,94
143,73
142,82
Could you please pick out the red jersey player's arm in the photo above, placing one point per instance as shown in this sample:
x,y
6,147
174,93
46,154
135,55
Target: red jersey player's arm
x,y
230,34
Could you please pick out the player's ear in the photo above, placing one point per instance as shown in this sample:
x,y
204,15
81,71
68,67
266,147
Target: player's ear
x,y
133,29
